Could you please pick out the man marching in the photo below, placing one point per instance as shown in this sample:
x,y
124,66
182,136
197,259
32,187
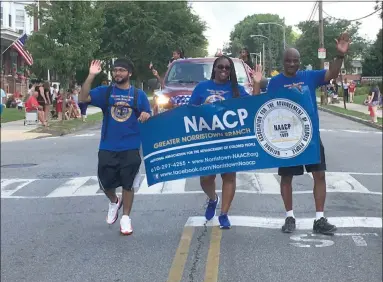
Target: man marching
x,y
118,158
291,77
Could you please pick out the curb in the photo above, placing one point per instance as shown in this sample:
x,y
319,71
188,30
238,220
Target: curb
x,y
356,119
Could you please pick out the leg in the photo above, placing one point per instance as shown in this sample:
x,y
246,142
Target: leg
x,y
130,162
287,174
228,192
109,180
321,225
208,186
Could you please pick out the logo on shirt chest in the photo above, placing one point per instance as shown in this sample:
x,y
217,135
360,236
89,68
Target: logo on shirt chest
x,y
121,110
215,96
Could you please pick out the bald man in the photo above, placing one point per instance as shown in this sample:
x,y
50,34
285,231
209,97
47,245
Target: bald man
x,y
292,77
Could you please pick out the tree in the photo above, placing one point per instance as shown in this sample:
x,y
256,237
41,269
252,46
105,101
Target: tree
x,y
150,31
240,37
68,38
308,42
372,61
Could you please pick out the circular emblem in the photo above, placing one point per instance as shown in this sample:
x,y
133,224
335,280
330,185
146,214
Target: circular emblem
x,y
283,128
214,98
121,112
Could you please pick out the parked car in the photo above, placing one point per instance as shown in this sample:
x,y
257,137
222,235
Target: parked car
x,y
182,77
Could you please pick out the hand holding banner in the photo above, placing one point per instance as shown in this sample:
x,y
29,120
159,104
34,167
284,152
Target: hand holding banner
x,y
239,134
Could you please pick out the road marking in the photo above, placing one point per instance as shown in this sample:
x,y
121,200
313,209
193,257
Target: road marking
x,y
212,263
247,183
69,187
276,223
174,187
84,135
150,190
86,190
343,182
267,183
298,238
5,191
179,261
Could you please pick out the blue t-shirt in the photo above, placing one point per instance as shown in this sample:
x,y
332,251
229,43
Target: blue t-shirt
x,y
123,130
208,91
310,78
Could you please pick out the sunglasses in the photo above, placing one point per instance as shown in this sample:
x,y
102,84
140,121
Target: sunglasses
x,y
221,67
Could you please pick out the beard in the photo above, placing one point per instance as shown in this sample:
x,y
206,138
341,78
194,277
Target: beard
x,y
122,80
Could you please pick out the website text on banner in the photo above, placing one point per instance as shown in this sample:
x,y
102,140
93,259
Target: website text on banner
x,y
240,134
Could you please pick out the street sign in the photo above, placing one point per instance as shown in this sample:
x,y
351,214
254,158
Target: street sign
x,y
326,65
322,53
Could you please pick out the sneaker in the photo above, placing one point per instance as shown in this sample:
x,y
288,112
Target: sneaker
x,y
211,207
126,225
323,226
113,211
289,225
224,222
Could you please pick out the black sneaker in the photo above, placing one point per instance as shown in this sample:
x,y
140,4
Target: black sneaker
x,y
322,226
289,225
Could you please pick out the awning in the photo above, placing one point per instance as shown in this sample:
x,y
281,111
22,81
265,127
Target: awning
x,y
8,36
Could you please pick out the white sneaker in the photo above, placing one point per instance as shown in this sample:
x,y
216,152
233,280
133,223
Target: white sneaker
x,y
126,225
113,212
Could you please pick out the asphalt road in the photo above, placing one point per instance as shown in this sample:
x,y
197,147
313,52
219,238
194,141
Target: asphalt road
x,y
50,235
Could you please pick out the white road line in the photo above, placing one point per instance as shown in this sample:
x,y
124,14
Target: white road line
x,y
69,187
276,223
150,190
84,135
174,187
86,190
356,131
23,183
267,183
343,182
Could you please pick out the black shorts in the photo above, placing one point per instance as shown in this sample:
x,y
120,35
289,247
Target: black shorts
x,y
117,169
298,170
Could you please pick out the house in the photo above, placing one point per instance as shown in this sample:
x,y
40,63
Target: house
x,y
355,72
14,24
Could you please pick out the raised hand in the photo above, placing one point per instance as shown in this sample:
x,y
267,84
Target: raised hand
x,y
343,43
95,67
257,74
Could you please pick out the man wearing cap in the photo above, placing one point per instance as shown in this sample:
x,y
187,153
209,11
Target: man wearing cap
x,y
118,158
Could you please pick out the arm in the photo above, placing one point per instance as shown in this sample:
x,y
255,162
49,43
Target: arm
x,y
195,98
95,69
334,69
85,89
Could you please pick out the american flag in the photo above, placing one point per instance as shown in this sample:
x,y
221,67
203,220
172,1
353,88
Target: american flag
x,y
249,69
19,46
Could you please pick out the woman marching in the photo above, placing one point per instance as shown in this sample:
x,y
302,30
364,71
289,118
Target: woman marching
x,y
223,85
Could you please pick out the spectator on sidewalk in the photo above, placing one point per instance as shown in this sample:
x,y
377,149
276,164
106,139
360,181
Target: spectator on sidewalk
x,y
373,102
351,91
2,102
33,106
345,90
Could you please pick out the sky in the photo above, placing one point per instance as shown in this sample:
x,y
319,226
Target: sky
x,y
221,17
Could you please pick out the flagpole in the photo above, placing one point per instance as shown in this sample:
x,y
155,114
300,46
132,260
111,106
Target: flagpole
x,y
12,44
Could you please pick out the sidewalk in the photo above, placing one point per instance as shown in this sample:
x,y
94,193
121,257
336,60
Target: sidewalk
x,y
354,107
17,131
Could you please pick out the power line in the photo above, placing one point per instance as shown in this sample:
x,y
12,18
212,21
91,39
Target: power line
x,y
313,11
369,15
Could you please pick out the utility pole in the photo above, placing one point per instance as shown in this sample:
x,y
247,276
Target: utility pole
x,y
324,98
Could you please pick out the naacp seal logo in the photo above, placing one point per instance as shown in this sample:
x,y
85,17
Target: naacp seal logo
x,y
283,128
121,111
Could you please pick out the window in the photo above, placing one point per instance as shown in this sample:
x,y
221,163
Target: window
x,y
10,20
20,19
1,16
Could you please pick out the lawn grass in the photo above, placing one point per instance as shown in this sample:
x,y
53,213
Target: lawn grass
x,y
351,113
58,128
12,114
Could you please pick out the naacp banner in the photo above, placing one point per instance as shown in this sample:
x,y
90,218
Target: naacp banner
x,y
240,134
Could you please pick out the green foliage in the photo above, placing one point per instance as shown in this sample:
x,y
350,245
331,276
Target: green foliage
x,y
68,38
308,42
372,60
240,37
150,31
